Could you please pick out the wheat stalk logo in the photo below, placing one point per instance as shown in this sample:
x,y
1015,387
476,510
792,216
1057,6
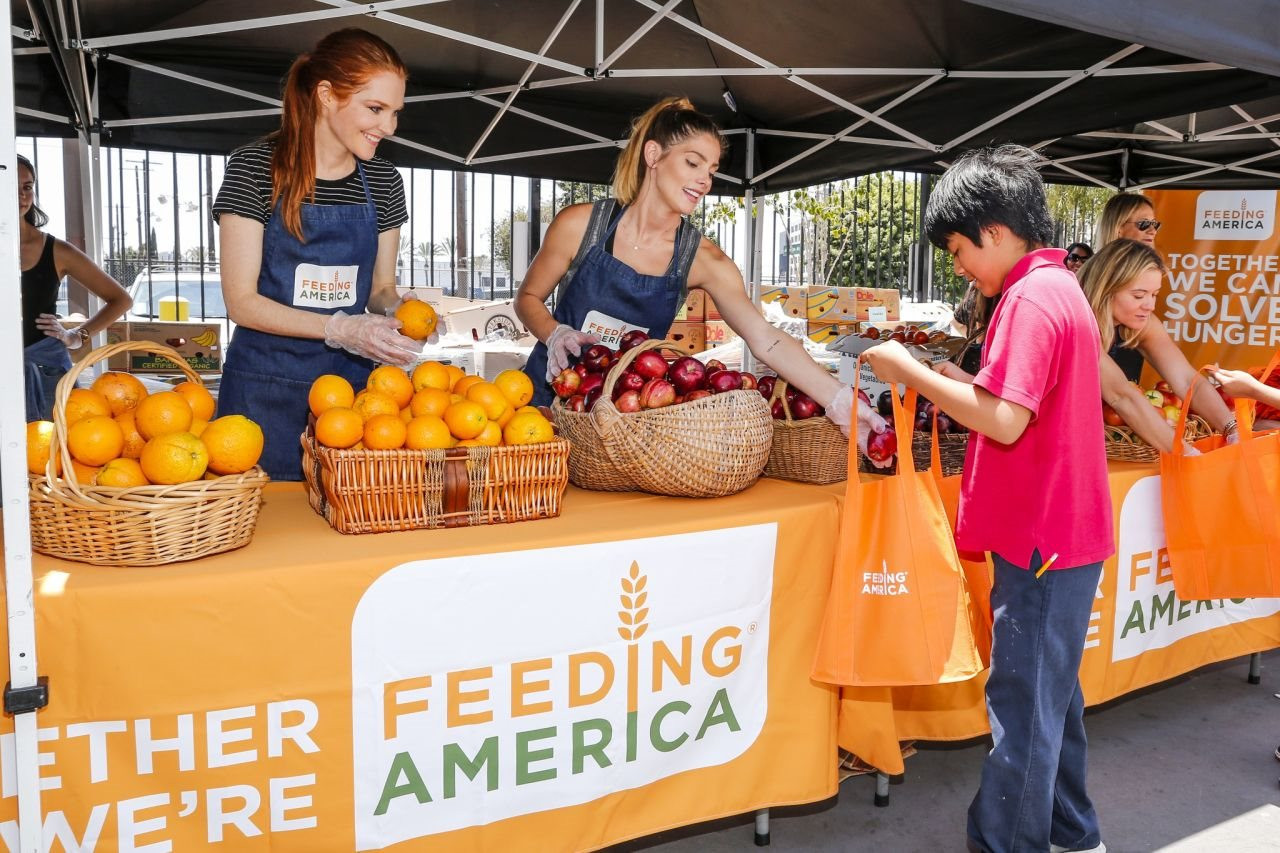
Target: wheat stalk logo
x,y
633,598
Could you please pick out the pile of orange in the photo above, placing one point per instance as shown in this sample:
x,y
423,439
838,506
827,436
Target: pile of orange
x,y
119,435
437,406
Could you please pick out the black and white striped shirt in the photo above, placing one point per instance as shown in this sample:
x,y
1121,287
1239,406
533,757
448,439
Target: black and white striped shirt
x,y
246,188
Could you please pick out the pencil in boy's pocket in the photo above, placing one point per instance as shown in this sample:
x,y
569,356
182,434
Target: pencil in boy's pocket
x,y
1047,563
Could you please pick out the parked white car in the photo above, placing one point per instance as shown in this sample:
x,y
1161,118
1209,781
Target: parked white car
x,y
202,293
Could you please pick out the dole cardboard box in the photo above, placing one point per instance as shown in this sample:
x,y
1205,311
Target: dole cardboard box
x,y
718,332
199,343
690,337
694,309
794,300
825,333
867,298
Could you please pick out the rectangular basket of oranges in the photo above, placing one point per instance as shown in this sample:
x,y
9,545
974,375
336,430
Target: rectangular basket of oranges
x,y
461,458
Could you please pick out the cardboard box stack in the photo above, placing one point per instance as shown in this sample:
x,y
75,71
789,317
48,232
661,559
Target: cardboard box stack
x,y
689,331
834,311
199,343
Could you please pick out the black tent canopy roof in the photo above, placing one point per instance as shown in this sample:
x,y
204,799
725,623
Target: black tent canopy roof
x,y
808,90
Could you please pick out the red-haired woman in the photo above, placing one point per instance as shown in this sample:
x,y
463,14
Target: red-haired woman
x,y
629,260
310,225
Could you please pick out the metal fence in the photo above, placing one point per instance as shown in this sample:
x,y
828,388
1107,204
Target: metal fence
x,y
468,233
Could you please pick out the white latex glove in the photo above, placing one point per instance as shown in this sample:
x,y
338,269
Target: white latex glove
x,y
48,323
1233,438
442,328
840,413
1188,450
563,342
371,336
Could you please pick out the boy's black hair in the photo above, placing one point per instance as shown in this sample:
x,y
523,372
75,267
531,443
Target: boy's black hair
x,y
990,186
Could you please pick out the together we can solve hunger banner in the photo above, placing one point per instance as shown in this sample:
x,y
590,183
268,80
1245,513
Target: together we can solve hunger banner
x,y
1221,299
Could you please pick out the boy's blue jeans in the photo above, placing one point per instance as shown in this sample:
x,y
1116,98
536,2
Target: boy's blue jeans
x,y
1033,781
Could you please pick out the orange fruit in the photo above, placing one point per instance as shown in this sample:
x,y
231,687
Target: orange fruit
x,y
455,373
429,401
393,382
384,432
528,428
330,391
234,444
465,419
461,386
122,391
175,457
133,440
85,474
339,427
39,438
86,403
370,403
516,386
198,398
431,374
122,473
161,414
523,409
198,427
491,435
428,432
95,440
406,414
506,416
489,397
417,318
455,398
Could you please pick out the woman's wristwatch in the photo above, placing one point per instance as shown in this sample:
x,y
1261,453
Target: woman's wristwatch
x,y
84,335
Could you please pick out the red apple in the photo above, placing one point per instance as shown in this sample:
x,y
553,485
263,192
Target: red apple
x,y
724,380
590,398
749,381
945,423
650,365
581,370
1111,417
803,407
576,403
687,374
657,393
696,394
765,385
777,411
566,383
1164,387
597,358
714,364
628,381
882,446
631,340
591,382
920,338
629,401
1170,398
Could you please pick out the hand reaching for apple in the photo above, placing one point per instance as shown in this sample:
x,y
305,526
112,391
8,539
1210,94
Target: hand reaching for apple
x,y
840,412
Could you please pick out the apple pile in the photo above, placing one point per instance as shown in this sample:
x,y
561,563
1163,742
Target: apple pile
x,y
905,334
1161,396
881,447
648,383
802,406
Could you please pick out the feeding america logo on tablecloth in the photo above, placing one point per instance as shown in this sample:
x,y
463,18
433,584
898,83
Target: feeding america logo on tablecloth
x,y
490,686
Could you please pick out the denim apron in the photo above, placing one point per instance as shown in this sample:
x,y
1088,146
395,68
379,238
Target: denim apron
x,y
43,364
598,283
266,377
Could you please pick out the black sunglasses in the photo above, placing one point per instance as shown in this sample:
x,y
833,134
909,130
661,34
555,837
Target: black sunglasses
x,y
1147,224
1073,258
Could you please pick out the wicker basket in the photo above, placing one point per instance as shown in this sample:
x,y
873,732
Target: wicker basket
x,y
1124,445
378,491
706,448
813,450
139,525
952,448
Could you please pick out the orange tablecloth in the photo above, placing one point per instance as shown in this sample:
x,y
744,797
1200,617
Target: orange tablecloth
x,y
636,664
1139,634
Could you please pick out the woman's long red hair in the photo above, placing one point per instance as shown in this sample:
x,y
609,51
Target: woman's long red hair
x,y
346,59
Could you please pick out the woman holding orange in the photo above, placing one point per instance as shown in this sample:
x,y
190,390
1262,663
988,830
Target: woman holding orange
x,y
310,225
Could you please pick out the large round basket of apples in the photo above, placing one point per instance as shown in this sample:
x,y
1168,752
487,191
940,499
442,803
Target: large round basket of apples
x,y
638,423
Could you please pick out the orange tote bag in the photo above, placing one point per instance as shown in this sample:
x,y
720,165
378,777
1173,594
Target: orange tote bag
x,y
898,613
1222,511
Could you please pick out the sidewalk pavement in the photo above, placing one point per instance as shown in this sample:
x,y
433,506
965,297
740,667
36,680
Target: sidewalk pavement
x,y
1187,766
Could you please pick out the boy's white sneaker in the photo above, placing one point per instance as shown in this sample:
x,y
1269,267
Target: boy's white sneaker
x,y
1101,848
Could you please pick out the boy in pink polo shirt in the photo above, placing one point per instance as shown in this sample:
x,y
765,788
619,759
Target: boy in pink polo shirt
x,y
1034,492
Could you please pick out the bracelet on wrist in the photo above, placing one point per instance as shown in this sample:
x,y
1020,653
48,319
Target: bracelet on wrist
x,y
1230,427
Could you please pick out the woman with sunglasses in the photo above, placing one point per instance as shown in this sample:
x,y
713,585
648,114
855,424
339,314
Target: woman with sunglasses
x,y
1128,215
1077,254
1121,283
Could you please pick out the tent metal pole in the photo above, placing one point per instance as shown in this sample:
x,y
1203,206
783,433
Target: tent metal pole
x,y
636,36
524,78
1165,129
189,78
1248,122
1256,125
568,128
153,120
542,152
860,140
466,38
599,33
248,24
41,114
26,692
1225,167
753,279
804,71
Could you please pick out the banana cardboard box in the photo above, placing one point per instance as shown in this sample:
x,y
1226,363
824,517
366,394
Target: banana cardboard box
x,y
850,304
794,300
199,343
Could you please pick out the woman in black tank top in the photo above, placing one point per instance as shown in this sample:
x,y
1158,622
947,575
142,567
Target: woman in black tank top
x,y
1122,281
44,261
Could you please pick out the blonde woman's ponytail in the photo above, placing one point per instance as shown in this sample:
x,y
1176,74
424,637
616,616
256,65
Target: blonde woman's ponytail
x,y
667,122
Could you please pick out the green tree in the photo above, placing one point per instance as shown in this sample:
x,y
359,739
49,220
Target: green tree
x,y
500,237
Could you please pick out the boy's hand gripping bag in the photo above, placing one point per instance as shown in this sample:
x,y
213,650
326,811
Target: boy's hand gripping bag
x,y
1222,510
899,611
